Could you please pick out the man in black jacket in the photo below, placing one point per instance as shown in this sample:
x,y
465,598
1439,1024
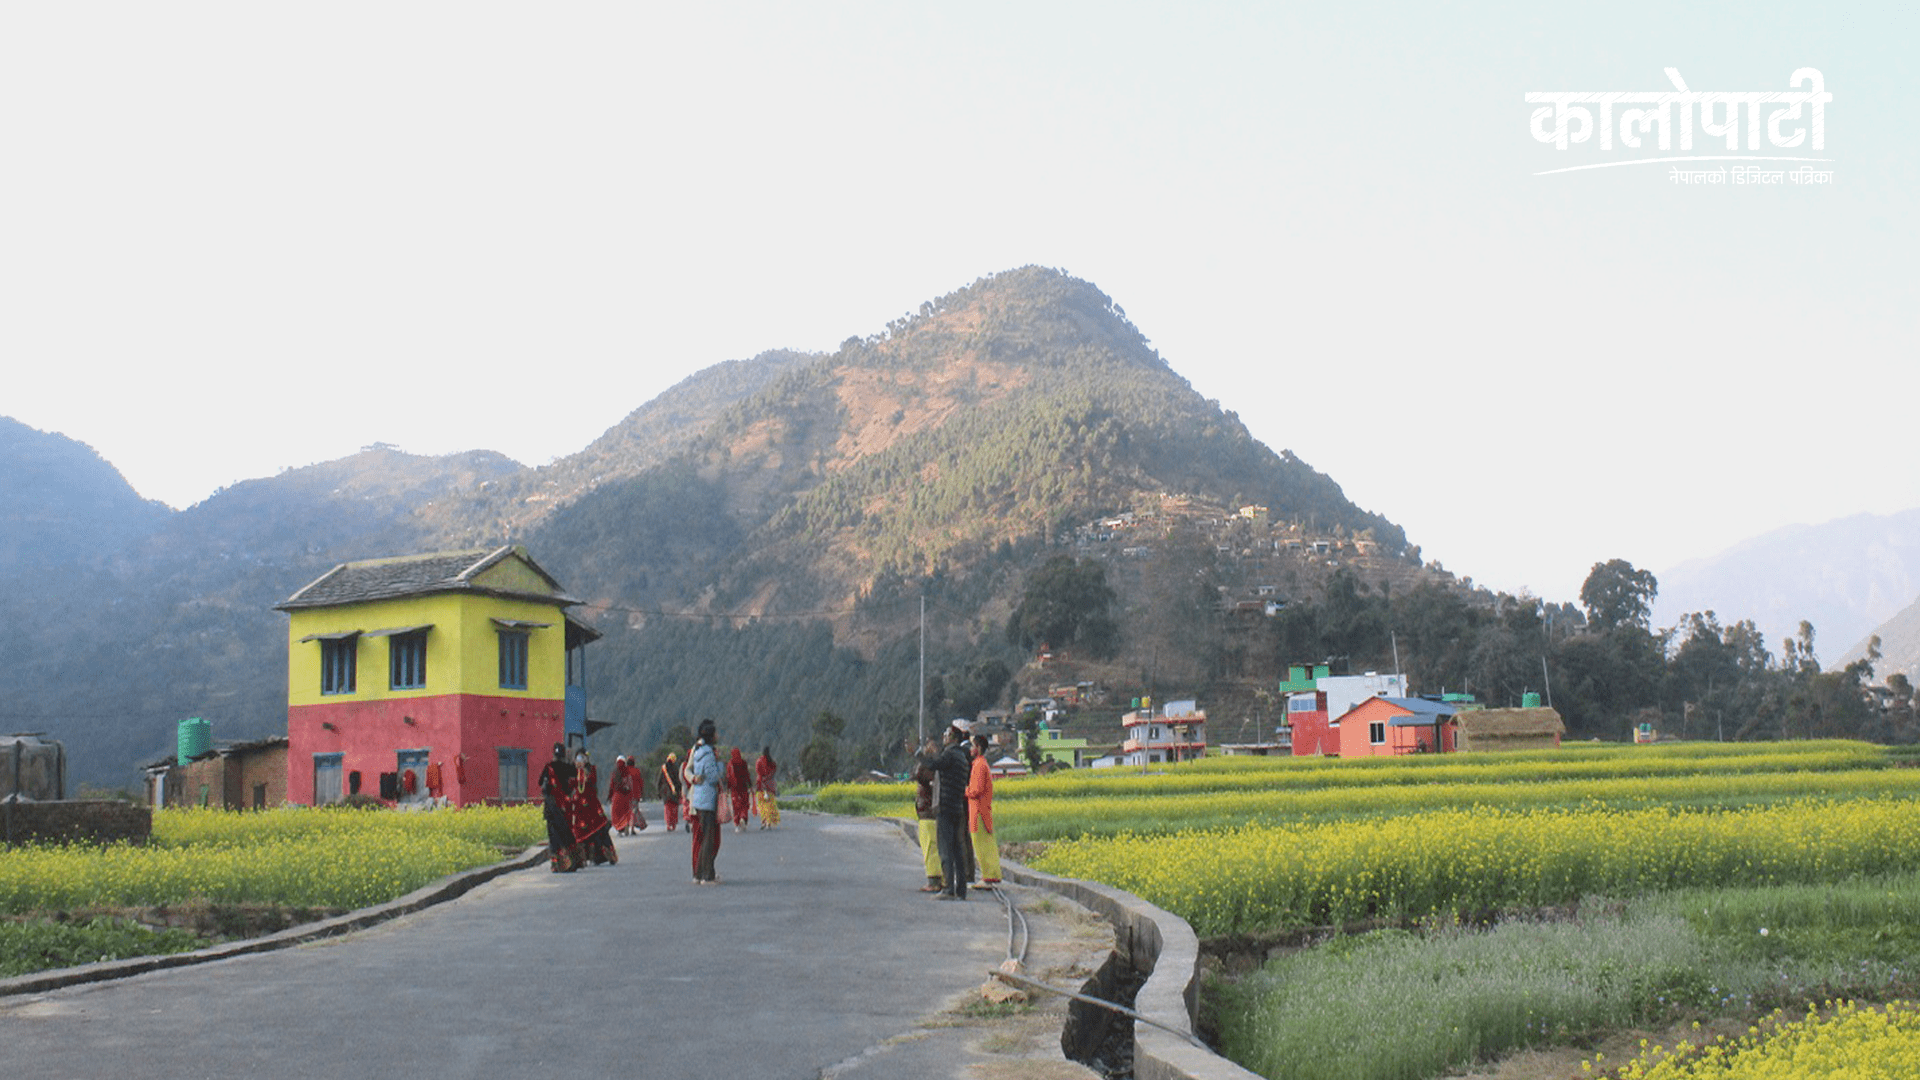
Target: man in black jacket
x,y
950,807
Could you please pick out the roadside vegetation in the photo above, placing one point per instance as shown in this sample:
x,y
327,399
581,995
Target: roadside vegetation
x,y
209,875
1414,917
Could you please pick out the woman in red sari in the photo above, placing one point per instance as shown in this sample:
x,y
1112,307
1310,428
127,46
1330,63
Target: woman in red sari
x,y
620,798
739,789
591,830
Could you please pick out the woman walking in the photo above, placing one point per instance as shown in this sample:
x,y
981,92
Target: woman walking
x,y
591,829
556,794
620,798
986,850
704,772
739,789
764,788
672,785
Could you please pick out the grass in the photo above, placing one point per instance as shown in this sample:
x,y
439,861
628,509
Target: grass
x,y
32,945
1411,1004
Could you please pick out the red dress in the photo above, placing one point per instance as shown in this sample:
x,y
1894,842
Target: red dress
x,y
739,786
620,797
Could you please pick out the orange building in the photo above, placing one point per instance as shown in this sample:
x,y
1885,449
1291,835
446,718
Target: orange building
x,y
1389,726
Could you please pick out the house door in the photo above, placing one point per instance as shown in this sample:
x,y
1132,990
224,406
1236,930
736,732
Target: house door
x,y
326,779
413,776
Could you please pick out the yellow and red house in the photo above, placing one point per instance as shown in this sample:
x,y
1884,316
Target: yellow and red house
x,y
449,674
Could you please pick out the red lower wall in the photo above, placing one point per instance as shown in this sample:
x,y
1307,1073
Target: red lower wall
x,y
370,734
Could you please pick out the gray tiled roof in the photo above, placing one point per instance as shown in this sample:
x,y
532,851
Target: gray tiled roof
x,y
414,575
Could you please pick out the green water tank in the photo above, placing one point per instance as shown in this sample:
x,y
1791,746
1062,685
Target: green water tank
x,y
196,738
1529,700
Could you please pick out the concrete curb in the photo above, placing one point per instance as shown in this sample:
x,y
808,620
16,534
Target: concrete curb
x,y
445,889
1152,940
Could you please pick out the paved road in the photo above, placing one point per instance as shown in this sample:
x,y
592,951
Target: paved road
x,y
815,949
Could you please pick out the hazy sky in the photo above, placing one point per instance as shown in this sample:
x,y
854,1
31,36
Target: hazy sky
x,y
239,237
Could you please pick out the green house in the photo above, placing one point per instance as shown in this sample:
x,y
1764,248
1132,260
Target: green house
x,y
1056,746
1304,677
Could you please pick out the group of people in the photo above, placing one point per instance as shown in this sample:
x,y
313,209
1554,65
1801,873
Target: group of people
x,y
953,799
580,830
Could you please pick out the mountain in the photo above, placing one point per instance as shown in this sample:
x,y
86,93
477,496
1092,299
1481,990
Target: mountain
x,y
59,499
754,543
1846,577
1899,646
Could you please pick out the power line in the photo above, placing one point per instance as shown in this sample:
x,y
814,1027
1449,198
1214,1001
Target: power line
x,y
731,616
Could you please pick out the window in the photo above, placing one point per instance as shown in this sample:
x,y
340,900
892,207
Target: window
x,y
1377,732
407,660
337,664
513,775
513,659
1302,703
326,778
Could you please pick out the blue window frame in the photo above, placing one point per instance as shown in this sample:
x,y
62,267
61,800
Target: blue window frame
x,y
407,660
338,663
513,774
513,659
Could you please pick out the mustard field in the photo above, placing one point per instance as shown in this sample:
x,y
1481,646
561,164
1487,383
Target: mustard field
x,y
1836,1039
1466,862
1235,792
295,857
1500,901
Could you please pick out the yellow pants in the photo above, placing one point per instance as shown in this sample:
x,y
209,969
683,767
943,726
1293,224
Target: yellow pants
x,y
986,853
769,809
930,849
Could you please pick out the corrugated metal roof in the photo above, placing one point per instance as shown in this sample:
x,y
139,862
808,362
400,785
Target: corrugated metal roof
x,y
1422,706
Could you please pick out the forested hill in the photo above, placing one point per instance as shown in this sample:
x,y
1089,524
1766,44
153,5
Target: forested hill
x,y
58,499
1001,414
753,541
771,569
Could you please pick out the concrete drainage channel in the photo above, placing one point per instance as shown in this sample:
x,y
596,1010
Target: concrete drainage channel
x,y
1154,969
1156,952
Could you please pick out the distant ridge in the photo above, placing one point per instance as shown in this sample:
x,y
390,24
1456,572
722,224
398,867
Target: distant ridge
x,y
1845,576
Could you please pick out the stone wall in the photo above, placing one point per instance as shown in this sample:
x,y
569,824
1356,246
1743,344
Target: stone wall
x,y
96,820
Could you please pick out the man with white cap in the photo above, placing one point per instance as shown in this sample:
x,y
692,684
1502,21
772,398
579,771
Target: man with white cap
x,y
953,769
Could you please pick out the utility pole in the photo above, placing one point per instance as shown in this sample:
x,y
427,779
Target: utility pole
x,y
923,670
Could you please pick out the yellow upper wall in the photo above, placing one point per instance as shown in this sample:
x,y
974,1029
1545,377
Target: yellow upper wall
x,y
463,648
512,575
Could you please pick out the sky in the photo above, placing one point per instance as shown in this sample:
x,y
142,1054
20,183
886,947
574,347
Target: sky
x,y
241,237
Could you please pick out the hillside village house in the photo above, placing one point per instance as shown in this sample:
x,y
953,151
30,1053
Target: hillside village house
x,y
248,775
1057,746
1317,700
1178,732
449,675
1390,726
